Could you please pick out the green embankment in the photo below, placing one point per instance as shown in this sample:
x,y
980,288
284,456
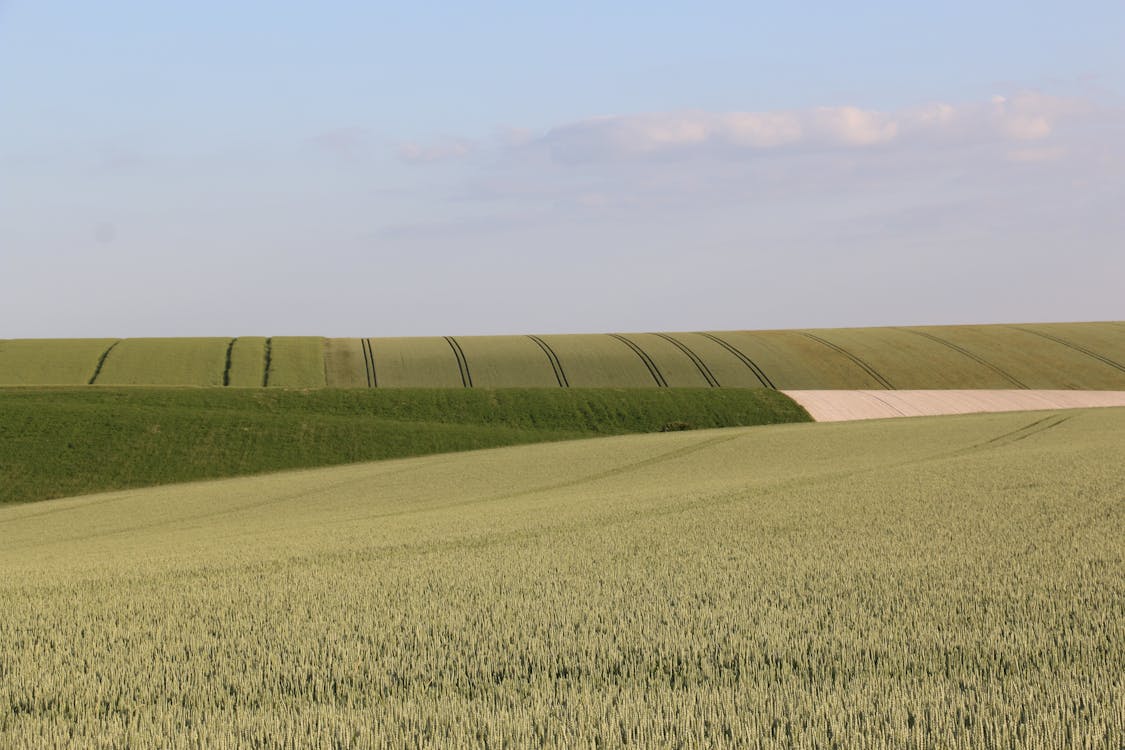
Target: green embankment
x,y
951,582
67,441
1088,356
51,361
195,361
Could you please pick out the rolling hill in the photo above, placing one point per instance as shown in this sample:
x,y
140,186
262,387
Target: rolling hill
x,y
1088,356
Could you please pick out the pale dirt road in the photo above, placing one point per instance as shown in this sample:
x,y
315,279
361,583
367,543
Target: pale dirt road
x,y
840,406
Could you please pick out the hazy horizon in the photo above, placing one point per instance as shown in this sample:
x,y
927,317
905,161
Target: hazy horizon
x,y
349,169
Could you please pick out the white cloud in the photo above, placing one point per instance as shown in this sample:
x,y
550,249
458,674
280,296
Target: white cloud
x,y
762,129
1025,117
852,126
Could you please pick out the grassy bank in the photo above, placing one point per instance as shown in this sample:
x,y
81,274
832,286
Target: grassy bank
x,y
67,441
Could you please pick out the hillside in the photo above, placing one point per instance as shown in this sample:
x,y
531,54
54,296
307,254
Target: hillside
x,y
933,582
68,441
1088,356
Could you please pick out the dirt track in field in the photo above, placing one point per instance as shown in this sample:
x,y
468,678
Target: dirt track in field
x,y
840,406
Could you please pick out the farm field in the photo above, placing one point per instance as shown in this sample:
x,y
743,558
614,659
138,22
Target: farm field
x,y
51,361
932,582
200,361
295,362
839,406
246,360
67,441
1086,356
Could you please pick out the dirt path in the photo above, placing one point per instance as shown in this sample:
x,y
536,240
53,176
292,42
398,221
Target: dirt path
x,y
839,406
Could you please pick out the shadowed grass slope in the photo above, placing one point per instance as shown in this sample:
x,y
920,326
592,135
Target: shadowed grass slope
x,y
67,441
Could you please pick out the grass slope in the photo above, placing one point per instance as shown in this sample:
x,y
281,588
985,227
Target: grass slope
x,y
938,582
56,442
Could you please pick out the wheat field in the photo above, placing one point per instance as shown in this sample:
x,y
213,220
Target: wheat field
x,y
933,582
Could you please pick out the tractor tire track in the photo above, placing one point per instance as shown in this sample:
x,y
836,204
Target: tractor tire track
x,y
369,363
758,372
226,367
101,362
462,363
1033,428
859,362
652,368
1075,347
960,350
704,370
553,358
268,362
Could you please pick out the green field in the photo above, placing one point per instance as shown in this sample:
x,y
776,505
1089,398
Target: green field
x,y
246,366
51,361
1086,356
67,441
196,361
295,362
951,582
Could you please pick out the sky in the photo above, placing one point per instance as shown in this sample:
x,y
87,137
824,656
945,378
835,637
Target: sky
x,y
385,169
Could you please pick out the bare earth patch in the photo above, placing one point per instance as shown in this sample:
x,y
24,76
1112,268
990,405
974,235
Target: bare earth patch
x,y
840,406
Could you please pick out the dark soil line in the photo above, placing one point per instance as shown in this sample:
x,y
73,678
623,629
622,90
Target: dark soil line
x,y
979,360
652,369
268,362
462,363
365,345
841,350
553,358
758,372
226,367
101,362
704,370
1075,347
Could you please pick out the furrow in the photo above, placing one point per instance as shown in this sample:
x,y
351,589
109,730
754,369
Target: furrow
x,y
462,363
758,372
704,370
979,360
226,367
553,358
101,362
268,362
1075,347
652,369
859,362
368,362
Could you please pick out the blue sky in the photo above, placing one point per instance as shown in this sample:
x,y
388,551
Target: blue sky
x,y
373,169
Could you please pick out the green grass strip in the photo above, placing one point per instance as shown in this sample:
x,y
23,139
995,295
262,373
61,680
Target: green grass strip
x,y
56,442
